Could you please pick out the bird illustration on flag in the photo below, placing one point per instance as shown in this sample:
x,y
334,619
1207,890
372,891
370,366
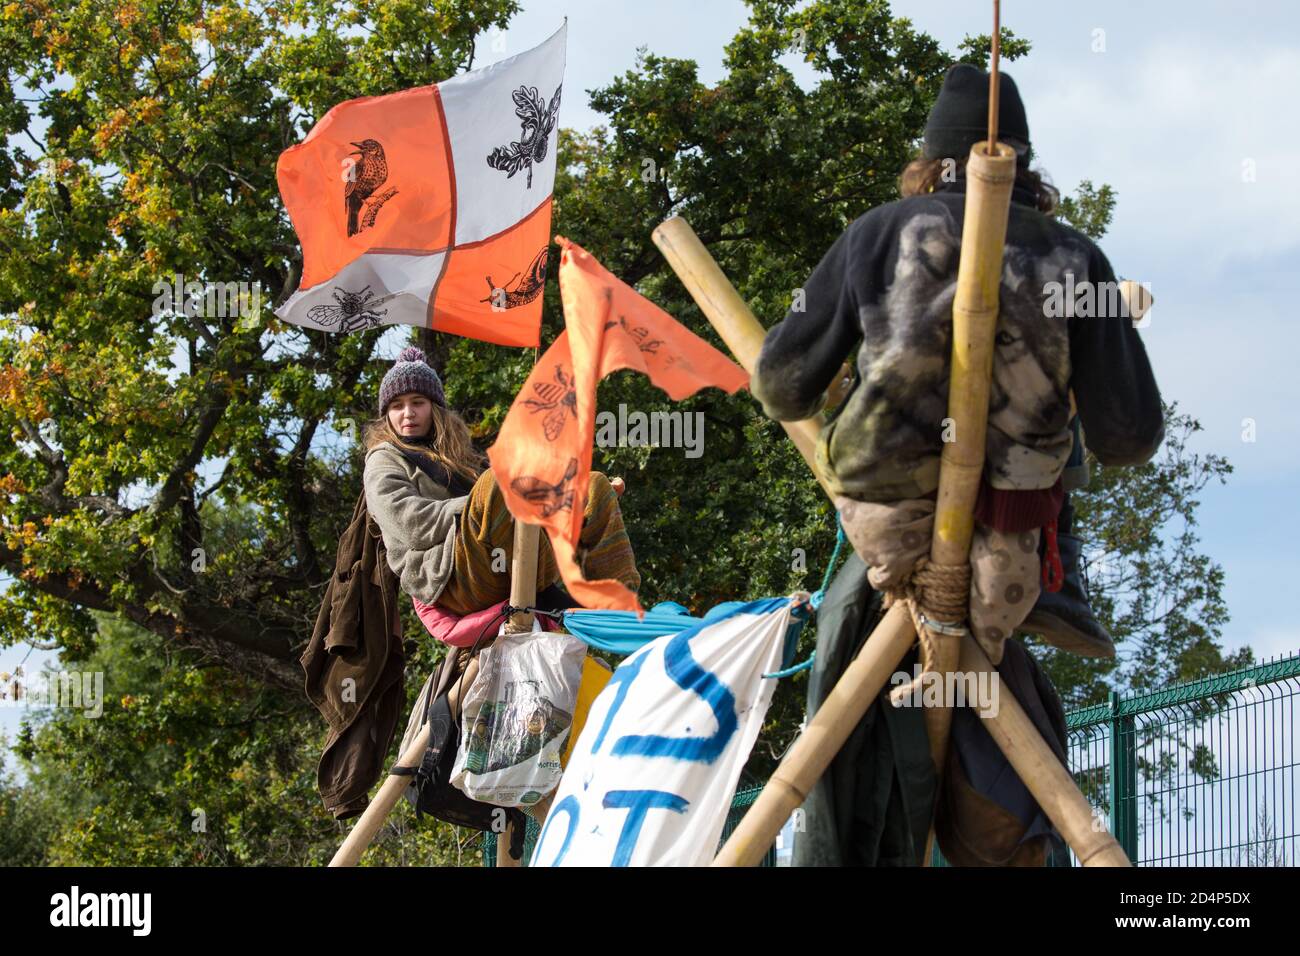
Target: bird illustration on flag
x,y
403,212
369,172
542,455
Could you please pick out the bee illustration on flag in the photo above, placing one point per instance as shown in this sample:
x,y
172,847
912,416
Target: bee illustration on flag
x,y
552,498
353,311
558,399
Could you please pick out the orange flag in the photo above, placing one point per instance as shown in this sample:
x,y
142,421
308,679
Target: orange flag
x,y
431,207
542,456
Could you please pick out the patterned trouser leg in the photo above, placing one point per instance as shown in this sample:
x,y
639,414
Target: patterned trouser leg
x,y
484,546
1005,581
890,537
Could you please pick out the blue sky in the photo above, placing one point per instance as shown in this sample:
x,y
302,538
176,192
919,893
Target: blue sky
x,y
1170,114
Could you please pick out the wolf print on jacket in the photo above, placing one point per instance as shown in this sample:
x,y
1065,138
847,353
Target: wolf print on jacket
x,y
889,282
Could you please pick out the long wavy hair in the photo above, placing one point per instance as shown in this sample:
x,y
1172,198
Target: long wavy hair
x,y
923,175
449,445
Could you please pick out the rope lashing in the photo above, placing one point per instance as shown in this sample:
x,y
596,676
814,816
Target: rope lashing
x,y
510,610
937,596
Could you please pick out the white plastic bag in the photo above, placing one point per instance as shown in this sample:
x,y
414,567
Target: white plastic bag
x,y
516,717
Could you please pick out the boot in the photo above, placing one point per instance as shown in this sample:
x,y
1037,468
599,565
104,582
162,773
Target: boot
x,y
1064,619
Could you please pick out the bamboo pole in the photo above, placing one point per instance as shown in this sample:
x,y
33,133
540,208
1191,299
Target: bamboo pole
x,y
731,319
729,315
363,833
815,748
1043,774
523,592
989,178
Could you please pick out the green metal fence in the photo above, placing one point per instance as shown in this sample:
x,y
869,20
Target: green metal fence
x,y
739,804
1197,774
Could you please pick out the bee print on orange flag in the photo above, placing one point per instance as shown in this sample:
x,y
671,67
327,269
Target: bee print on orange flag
x,y
542,456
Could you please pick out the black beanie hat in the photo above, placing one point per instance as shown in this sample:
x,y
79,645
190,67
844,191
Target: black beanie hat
x,y
960,116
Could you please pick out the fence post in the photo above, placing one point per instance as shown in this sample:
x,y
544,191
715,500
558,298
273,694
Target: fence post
x,y
1123,778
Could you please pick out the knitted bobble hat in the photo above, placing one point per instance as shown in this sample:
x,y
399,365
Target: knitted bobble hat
x,y
411,373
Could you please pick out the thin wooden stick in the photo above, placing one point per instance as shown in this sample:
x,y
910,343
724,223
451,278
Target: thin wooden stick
x,y
993,77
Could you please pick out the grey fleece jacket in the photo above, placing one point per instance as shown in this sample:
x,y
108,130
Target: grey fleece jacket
x,y
417,517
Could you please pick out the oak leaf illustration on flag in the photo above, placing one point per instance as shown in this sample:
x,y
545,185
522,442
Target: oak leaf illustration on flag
x,y
538,120
542,456
404,215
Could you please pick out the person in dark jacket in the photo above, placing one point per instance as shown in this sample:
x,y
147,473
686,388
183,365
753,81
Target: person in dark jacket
x,y
889,282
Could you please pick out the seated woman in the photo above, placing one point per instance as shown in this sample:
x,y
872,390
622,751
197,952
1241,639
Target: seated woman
x,y
446,528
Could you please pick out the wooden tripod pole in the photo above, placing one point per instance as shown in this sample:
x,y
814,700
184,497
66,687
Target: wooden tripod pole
x,y
1043,774
990,177
367,826
523,592
860,684
989,180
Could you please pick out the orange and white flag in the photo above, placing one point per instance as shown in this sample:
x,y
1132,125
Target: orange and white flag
x,y
432,206
542,455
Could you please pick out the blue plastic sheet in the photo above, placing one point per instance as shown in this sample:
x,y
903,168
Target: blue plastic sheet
x,y
619,632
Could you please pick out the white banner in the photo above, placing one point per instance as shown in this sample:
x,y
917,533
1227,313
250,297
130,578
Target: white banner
x,y
653,773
